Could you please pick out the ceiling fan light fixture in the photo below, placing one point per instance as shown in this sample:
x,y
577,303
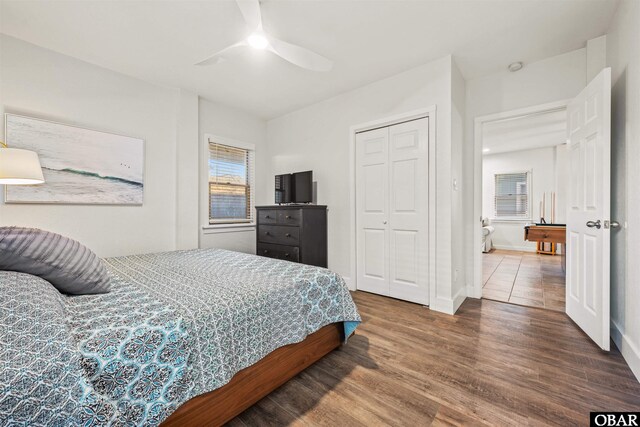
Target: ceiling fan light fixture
x,y
257,41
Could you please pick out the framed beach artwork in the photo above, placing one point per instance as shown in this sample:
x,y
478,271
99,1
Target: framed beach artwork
x,y
80,166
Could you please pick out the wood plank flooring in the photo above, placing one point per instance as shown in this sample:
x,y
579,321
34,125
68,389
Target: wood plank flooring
x,y
524,278
490,364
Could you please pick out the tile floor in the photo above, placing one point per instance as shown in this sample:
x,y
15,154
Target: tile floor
x,y
524,278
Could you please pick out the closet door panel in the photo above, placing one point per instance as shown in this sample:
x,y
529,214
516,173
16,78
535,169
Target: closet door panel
x,y
405,259
409,210
404,185
372,210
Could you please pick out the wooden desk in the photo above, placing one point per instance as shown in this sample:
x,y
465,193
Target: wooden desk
x,y
546,233
554,234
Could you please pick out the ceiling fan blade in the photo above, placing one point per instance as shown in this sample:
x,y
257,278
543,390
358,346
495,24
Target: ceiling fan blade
x,y
250,10
300,56
223,54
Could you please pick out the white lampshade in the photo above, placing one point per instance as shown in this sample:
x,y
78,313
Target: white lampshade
x,y
20,167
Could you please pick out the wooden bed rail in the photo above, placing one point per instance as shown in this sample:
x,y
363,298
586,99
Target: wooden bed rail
x,y
248,386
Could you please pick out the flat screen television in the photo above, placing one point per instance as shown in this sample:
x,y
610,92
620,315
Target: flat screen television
x,y
294,187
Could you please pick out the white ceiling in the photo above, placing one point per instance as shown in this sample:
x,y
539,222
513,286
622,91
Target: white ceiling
x,y
545,129
159,41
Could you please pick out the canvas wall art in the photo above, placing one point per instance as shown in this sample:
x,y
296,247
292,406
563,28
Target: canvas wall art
x,y
80,166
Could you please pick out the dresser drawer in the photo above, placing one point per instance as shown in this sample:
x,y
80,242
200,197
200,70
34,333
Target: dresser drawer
x,y
267,216
546,234
279,234
289,216
289,253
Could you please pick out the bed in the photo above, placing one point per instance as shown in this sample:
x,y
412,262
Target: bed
x,y
183,338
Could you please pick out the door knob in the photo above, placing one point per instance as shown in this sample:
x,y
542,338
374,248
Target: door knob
x,y
595,224
384,222
615,224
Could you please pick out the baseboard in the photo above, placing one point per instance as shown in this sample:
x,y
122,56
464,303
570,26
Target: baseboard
x,y
459,298
449,306
473,293
350,284
629,351
514,248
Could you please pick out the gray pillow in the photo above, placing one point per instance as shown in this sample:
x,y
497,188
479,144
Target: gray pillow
x,y
68,265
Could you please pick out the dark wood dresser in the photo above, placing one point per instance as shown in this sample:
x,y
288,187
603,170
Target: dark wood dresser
x,y
295,233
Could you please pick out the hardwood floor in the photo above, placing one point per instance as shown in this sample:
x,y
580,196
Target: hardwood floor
x,y
524,278
490,364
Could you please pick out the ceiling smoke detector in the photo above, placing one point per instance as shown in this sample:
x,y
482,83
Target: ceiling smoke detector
x,y
515,66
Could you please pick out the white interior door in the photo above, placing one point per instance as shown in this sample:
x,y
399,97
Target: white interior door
x,y
588,233
372,210
392,210
408,210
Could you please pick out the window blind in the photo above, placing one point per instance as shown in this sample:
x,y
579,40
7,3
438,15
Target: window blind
x,y
231,173
511,198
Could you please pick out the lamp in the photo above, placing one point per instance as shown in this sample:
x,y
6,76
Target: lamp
x,y
19,167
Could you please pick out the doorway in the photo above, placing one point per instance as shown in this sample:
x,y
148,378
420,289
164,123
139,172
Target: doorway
x,y
588,223
523,198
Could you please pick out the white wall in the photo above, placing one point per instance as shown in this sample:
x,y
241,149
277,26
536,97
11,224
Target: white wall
x,y
623,56
187,178
553,79
458,264
543,164
317,138
219,120
41,83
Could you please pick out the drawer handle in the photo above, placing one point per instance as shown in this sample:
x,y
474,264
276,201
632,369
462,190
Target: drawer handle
x,y
545,235
287,235
266,233
265,251
288,217
287,255
268,217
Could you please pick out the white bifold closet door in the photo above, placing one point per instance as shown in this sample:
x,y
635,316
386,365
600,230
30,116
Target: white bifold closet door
x,y
392,205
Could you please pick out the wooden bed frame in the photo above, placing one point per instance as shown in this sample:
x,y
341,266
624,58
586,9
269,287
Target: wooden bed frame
x,y
248,386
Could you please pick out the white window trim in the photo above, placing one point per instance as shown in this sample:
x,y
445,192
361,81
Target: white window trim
x,y
204,183
228,228
516,219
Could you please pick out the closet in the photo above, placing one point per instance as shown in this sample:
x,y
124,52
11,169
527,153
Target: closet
x,y
392,205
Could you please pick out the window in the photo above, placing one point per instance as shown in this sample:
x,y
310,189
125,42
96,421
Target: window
x,y
511,200
230,184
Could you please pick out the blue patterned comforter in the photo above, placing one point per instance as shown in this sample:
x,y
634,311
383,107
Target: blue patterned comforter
x,y
175,325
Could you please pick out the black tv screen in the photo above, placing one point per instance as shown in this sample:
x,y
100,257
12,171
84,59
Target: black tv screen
x,y
303,187
284,190
294,187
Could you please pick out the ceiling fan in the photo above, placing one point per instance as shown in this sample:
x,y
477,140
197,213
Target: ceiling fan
x,y
258,39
